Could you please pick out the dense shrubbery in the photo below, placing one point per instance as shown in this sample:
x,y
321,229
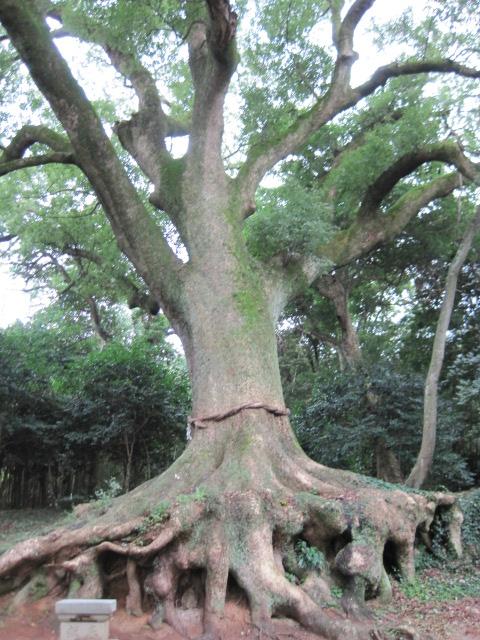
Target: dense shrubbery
x,y
470,505
69,421
130,404
351,412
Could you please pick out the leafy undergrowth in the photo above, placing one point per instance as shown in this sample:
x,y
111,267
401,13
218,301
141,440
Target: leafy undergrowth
x,y
442,603
461,581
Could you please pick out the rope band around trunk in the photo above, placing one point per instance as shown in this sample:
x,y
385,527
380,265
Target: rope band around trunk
x,y
199,423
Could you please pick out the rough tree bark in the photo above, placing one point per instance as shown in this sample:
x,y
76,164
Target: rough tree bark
x,y
424,460
243,493
333,287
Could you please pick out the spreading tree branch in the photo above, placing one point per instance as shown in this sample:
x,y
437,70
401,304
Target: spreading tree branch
x,y
31,134
12,157
396,69
143,135
448,152
136,232
372,226
335,8
364,234
212,60
339,97
150,105
334,101
344,38
35,161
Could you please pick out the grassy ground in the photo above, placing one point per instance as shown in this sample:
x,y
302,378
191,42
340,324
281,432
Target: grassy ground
x,y
444,584
19,524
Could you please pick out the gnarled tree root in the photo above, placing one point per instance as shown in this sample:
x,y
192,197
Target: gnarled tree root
x,y
284,528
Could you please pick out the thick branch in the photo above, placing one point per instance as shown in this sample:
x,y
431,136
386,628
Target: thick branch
x,y
29,135
137,234
396,69
12,158
212,60
448,152
35,161
371,226
335,7
344,39
363,235
333,102
143,136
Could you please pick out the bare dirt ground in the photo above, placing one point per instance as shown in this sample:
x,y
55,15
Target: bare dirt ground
x,y
37,622
435,620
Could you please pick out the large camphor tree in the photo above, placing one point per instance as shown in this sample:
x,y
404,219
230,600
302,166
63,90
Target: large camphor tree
x,y
243,494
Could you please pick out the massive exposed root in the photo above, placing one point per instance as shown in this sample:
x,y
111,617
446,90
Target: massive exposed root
x,y
242,502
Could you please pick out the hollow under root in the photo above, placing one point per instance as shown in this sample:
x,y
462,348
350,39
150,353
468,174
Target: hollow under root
x,y
286,539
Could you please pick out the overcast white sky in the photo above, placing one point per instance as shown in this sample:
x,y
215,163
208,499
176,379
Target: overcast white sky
x,y
14,303
17,304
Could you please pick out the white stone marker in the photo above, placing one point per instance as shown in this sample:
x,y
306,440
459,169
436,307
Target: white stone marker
x,y
85,619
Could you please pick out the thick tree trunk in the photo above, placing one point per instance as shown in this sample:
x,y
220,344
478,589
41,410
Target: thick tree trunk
x,y
239,499
233,358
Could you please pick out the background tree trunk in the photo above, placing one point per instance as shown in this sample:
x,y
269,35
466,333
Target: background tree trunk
x,y
424,460
348,347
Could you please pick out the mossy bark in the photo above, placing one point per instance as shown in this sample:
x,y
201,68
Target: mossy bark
x,y
243,494
235,504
